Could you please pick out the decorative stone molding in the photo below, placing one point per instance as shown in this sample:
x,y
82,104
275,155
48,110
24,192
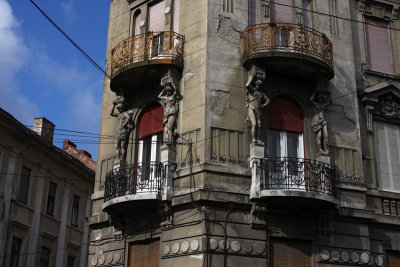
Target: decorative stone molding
x,y
349,178
388,107
379,8
390,207
349,257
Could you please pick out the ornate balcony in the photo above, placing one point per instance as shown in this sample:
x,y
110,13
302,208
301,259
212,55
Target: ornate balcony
x,y
142,55
288,48
282,179
136,186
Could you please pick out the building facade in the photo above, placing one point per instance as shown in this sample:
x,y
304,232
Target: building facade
x,y
44,196
262,133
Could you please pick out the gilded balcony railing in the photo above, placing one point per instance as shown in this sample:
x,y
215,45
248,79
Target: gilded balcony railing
x,y
160,47
262,38
135,179
297,174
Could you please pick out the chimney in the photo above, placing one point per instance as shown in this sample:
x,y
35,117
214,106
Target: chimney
x,y
82,155
44,128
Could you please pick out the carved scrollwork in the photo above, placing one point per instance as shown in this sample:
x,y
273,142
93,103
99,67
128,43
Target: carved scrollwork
x,y
388,107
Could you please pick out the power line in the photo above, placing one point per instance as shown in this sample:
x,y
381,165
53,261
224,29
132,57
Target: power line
x,y
70,40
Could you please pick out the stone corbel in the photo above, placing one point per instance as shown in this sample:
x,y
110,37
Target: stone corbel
x,y
258,216
395,12
299,12
361,6
265,9
369,115
168,159
256,155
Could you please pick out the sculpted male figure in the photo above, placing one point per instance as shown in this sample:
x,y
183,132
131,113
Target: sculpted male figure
x,y
318,121
124,127
169,97
255,102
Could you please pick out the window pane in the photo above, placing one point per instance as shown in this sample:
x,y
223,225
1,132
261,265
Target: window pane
x,y
75,210
51,198
15,251
293,145
24,185
70,261
274,148
138,18
177,9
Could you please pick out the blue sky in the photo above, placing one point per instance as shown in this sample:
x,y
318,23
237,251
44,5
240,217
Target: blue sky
x,y
42,74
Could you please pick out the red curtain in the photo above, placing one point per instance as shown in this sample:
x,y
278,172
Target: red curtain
x,y
151,121
285,114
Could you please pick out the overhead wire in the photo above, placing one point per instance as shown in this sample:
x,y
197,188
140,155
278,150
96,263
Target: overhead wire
x,y
70,40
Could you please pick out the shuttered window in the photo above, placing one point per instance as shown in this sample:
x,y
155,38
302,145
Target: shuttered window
x,y
378,45
289,253
177,10
392,258
387,154
144,254
157,17
282,11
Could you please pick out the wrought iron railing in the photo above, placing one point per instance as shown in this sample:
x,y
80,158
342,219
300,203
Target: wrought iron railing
x,y
295,38
297,174
135,179
148,46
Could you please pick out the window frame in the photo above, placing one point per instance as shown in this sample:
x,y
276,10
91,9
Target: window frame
x,y
20,196
54,199
12,255
75,210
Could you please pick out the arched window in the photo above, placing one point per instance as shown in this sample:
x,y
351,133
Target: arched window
x,y
285,129
150,129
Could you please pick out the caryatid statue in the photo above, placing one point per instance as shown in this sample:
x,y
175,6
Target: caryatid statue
x,y
256,100
124,127
169,98
318,122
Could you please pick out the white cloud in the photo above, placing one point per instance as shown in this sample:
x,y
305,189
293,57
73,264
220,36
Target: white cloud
x,y
13,56
80,88
69,11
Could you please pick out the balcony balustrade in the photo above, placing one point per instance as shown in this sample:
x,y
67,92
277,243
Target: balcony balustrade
x,y
134,182
297,174
141,53
293,177
290,46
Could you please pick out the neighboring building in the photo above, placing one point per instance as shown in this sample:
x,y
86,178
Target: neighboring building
x,y
44,197
288,141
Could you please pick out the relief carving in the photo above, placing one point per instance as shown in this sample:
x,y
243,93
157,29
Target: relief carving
x,y
388,107
219,100
256,100
124,127
169,98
